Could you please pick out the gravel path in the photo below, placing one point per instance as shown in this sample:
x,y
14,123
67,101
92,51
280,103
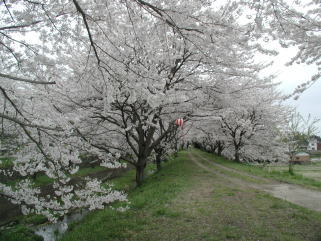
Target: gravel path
x,y
290,192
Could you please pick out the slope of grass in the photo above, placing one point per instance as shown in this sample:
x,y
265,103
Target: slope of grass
x,y
219,169
85,171
6,162
157,190
19,233
315,155
185,203
280,175
312,170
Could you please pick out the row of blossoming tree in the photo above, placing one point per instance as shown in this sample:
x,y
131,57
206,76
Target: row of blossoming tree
x,y
109,78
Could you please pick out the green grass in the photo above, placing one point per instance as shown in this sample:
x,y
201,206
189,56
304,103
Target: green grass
x,y
315,155
42,180
6,162
89,170
33,219
229,173
311,171
185,203
280,175
153,196
19,233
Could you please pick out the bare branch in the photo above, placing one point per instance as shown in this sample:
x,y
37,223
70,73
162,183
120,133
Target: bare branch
x,y
6,76
20,26
83,14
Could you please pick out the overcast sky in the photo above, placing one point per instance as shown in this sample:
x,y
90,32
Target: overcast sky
x,y
290,77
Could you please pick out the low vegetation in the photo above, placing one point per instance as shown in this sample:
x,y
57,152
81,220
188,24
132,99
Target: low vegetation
x,y
184,202
21,233
279,173
6,162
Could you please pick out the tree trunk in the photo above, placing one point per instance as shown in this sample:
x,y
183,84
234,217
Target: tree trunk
x,y
291,170
158,162
237,155
219,150
139,175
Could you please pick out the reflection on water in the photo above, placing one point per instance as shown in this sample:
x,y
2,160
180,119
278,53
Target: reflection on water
x,y
51,232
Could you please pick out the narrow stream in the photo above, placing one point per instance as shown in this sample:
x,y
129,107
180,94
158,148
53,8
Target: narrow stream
x,y
53,231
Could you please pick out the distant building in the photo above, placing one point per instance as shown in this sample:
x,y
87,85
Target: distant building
x,y
314,144
301,157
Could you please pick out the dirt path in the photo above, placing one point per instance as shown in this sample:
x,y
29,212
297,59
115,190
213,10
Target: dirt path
x,y
234,170
236,181
290,192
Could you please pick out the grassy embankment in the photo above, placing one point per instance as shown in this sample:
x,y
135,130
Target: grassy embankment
x,y
184,202
280,173
311,171
315,155
6,162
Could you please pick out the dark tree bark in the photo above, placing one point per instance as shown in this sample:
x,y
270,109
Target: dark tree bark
x,y
220,149
158,162
237,154
140,174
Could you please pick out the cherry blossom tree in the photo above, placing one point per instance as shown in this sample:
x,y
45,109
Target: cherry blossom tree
x,y
248,116
290,23
254,125
48,146
148,74
53,134
210,136
109,78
